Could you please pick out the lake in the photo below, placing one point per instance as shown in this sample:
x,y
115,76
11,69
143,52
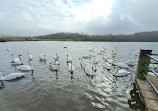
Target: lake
x,y
44,90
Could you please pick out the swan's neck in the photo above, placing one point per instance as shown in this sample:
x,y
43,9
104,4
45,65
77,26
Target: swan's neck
x,y
67,57
55,63
71,66
30,64
95,65
20,59
94,59
92,70
58,58
12,57
29,56
117,68
81,60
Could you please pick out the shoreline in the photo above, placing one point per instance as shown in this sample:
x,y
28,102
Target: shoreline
x,y
67,41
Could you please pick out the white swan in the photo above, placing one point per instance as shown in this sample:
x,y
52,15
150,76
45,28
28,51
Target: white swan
x,y
153,66
110,61
16,61
8,49
69,59
25,67
11,76
120,72
87,56
152,74
91,50
30,56
130,63
104,50
96,60
89,70
56,57
121,65
53,67
113,54
84,64
56,60
71,68
107,66
42,57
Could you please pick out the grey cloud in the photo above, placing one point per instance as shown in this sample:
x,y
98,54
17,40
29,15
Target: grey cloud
x,y
127,16
35,17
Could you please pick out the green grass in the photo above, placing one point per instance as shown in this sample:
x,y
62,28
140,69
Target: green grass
x,y
52,39
2,35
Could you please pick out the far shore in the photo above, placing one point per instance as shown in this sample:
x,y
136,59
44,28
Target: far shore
x,y
70,40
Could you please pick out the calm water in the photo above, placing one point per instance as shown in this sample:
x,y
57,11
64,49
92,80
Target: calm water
x,y
45,90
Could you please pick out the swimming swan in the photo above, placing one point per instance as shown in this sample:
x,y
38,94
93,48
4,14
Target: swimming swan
x,y
53,67
8,49
121,72
11,76
69,59
30,56
42,57
120,65
89,70
71,68
25,67
16,61
56,57
130,63
56,60
84,63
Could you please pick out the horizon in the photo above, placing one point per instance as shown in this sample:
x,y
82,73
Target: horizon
x,y
75,33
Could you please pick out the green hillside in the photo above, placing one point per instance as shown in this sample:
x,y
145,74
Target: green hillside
x,y
2,35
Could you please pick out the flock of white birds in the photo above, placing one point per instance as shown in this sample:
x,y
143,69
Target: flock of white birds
x,y
88,63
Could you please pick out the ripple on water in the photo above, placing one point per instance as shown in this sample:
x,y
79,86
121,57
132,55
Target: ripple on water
x,y
45,90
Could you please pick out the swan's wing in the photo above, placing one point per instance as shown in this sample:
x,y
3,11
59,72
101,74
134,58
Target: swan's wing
x,y
152,74
73,68
107,65
122,72
110,61
84,64
16,63
69,67
31,56
13,76
88,70
121,65
24,67
41,57
69,58
16,60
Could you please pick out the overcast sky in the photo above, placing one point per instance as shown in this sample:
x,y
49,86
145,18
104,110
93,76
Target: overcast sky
x,y
36,17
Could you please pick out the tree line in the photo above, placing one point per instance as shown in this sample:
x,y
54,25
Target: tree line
x,y
136,37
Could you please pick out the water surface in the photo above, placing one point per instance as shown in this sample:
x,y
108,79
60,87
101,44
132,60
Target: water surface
x,y
45,90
